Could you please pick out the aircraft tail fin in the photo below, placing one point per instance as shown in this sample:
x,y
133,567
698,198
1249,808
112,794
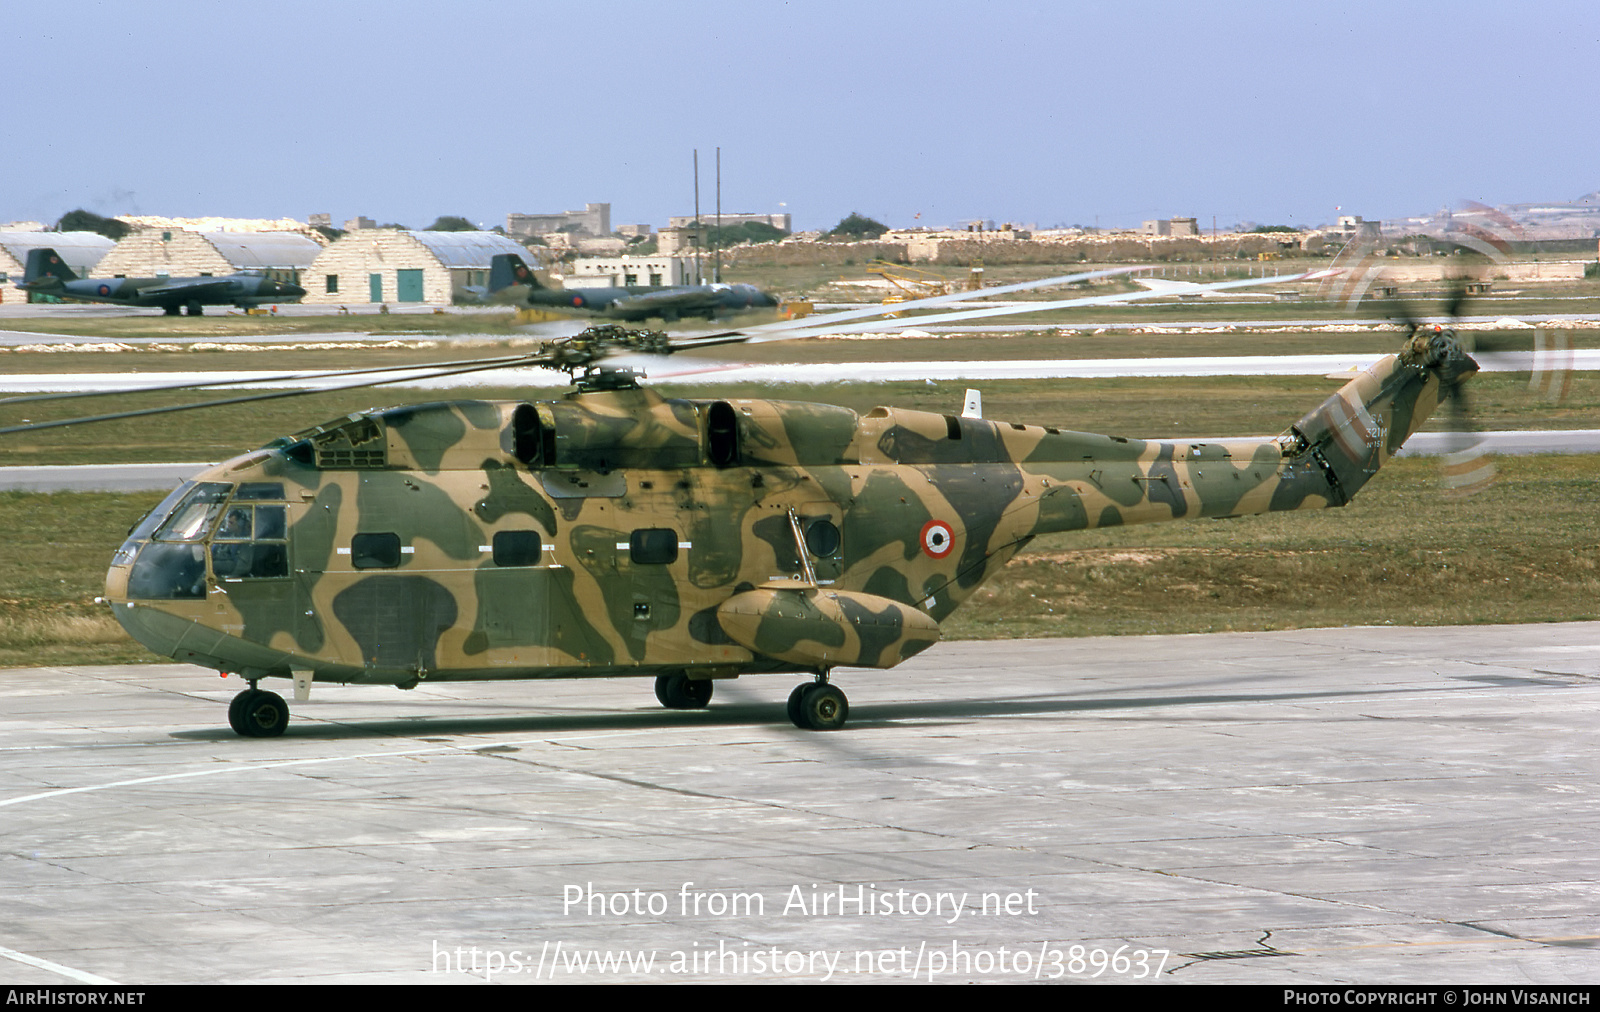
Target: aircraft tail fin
x,y
1357,430
507,270
45,263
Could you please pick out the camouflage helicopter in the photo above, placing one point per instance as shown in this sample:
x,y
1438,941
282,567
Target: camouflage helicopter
x,y
614,531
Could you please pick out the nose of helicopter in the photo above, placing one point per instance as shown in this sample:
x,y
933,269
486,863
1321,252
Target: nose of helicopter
x,y
156,630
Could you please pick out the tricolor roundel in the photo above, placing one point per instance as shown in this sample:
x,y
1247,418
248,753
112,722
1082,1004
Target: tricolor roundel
x,y
937,538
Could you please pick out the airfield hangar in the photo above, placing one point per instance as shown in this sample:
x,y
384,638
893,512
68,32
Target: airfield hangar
x,y
81,251
179,253
390,265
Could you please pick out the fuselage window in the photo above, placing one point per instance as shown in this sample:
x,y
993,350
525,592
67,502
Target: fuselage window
x,y
722,434
822,537
517,548
375,551
531,442
653,546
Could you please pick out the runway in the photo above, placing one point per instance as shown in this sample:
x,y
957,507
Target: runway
x,y
1311,807
792,373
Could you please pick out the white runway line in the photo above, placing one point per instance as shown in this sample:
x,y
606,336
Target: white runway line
x,y
81,976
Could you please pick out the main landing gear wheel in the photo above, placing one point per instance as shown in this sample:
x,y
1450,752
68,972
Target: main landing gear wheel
x,y
818,706
680,692
794,703
257,713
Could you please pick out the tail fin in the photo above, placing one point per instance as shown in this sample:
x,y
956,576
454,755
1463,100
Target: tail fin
x,y
506,270
1354,432
45,263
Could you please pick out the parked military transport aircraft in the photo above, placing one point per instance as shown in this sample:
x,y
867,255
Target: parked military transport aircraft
x,y
513,281
45,274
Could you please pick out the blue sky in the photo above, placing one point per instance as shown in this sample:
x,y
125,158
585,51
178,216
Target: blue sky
x,y
914,113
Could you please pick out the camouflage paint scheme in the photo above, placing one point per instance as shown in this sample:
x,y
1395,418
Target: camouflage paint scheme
x,y
617,532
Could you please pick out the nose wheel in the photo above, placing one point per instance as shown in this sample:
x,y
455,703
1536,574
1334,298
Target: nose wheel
x,y
818,706
257,713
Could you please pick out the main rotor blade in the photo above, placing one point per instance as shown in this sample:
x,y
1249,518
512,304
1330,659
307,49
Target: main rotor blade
x,y
277,378
978,314
808,323
532,360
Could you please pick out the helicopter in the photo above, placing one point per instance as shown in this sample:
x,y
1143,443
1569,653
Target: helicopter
x,y
615,531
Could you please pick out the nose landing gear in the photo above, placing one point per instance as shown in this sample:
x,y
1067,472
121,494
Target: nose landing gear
x,y
257,713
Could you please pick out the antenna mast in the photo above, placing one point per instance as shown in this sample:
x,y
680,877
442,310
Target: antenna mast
x,y
698,279
716,241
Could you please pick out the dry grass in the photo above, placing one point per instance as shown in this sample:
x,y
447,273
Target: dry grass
x,y
1525,550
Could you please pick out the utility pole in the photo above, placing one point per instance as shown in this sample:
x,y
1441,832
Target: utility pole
x,y
698,279
716,241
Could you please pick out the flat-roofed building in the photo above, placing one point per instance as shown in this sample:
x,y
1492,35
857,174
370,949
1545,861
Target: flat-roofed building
x,y
730,219
610,272
594,219
1171,226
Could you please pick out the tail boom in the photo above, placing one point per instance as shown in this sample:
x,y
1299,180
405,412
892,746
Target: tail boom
x,y
1323,460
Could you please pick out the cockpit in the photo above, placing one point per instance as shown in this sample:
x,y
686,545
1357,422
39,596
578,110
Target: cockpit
x,y
231,532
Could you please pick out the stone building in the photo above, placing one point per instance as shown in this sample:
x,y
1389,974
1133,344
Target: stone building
x,y
731,219
390,265
594,219
1171,226
177,253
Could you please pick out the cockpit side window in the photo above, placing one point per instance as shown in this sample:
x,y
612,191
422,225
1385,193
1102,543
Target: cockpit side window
x,y
250,542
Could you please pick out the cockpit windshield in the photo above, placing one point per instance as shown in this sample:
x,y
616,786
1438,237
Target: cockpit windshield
x,y
247,529
192,518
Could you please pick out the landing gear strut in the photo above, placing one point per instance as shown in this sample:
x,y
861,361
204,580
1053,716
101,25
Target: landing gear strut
x,y
680,692
818,706
257,713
